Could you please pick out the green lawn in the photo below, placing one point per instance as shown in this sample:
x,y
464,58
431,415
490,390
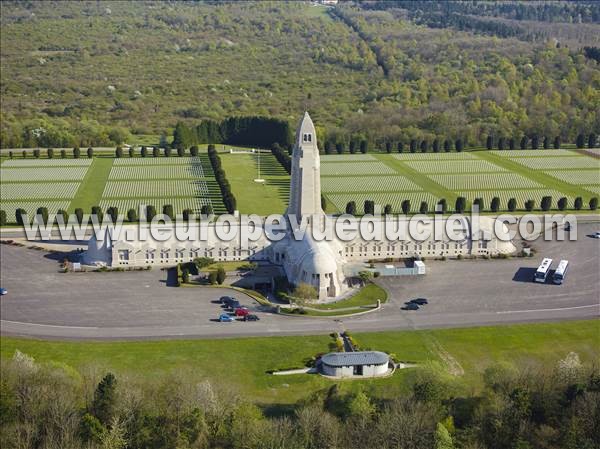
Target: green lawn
x,y
257,198
90,190
242,364
367,296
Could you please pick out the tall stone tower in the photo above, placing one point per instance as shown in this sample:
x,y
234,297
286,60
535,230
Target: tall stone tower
x,y
305,185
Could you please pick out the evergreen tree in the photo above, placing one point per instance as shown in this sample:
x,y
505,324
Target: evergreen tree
x,y
424,208
42,214
546,143
155,152
36,153
400,147
562,203
529,205
132,215
387,210
594,203
479,203
442,206
405,207
168,211
90,152
489,143
50,153
424,146
413,146
339,147
144,151
105,399
592,141
557,142
351,208
388,147
221,275
76,153
546,203
495,204
524,141
79,215
131,151
578,204
580,142
461,204
62,213
436,146
447,145
458,145
535,142
194,150
369,207
501,144
512,144
20,216
150,212
119,152
443,440
2,217
364,146
113,211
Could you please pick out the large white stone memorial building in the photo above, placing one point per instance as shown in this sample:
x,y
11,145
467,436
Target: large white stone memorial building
x,y
319,263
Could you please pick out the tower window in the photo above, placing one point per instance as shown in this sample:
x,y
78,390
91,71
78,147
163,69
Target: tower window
x,y
307,137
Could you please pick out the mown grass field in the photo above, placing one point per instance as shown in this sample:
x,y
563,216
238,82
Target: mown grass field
x,y
242,365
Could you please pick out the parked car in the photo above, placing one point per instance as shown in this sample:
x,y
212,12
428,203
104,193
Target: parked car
x,y
419,301
596,235
3,291
234,304
225,299
225,318
251,317
410,306
241,311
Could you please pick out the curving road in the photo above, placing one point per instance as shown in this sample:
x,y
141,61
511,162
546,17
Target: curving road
x,y
138,305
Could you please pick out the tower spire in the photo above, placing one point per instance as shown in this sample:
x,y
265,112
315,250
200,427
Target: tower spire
x,y
305,183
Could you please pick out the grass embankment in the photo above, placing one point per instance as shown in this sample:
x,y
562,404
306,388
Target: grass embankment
x,y
367,296
242,364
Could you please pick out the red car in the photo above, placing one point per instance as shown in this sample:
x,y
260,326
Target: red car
x,y
241,311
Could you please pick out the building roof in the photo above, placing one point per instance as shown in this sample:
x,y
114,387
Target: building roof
x,y
355,358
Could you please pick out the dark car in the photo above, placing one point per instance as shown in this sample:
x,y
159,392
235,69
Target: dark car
x,y
410,306
419,301
225,299
234,304
251,317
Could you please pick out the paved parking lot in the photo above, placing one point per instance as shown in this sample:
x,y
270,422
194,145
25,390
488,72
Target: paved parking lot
x,y
44,302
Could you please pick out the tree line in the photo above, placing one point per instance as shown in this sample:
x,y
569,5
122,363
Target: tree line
x,y
460,205
54,406
259,131
226,193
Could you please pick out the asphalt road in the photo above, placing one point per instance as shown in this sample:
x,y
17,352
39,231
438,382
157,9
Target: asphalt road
x,y
45,303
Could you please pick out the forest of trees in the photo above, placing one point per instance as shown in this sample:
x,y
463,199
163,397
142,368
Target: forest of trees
x,y
260,131
54,406
369,72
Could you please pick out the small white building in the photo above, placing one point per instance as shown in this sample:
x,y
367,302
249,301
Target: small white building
x,y
355,364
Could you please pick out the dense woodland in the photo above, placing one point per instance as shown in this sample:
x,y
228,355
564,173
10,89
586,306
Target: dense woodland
x,y
95,73
54,406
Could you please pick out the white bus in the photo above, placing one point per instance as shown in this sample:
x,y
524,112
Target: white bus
x,y
542,272
561,272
